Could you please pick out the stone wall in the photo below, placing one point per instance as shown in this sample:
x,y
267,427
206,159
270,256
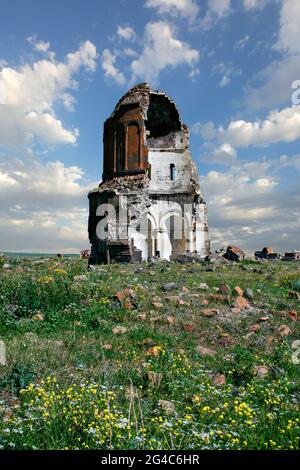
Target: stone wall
x,y
149,169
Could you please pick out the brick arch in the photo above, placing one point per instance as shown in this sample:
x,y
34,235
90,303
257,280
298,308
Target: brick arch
x,y
133,144
120,147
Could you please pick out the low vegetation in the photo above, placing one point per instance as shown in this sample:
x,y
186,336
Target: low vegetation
x,y
150,356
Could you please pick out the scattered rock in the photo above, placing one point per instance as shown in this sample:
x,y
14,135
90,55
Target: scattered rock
x,y
219,379
142,316
255,328
241,303
189,327
264,319
239,291
154,351
203,286
168,407
126,298
217,297
235,311
170,286
284,330
119,330
234,253
7,267
157,305
154,319
41,261
38,317
107,347
171,320
248,294
209,312
96,269
261,371
249,335
140,271
226,340
205,351
293,315
225,289
148,342
82,278
19,269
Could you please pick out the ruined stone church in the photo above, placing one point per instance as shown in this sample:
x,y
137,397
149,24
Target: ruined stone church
x,y
149,203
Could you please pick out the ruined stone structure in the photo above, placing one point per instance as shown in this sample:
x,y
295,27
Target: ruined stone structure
x,y
149,202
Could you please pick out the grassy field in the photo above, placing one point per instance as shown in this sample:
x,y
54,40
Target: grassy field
x,y
151,356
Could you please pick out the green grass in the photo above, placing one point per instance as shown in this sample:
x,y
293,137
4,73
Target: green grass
x,y
71,383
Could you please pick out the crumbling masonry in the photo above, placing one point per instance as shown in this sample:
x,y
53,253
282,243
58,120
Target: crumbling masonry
x,y
149,176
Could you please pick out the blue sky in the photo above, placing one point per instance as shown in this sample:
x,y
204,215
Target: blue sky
x,y
228,64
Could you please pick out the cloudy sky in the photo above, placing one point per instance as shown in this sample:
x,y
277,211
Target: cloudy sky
x,y
229,64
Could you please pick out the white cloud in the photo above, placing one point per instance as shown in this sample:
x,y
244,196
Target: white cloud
x,y
33,90
194,73
42,46
280,126
293,162
225,81
85,57
216,10
252,204
130,52
241,43
207,130
38,46
275,80
43,206
219,7
252,4
225,154
126,33
110,69
289,32
48,129
184,8
161,50
227,72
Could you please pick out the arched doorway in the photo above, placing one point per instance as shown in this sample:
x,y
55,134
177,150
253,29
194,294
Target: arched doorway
x,y
175,235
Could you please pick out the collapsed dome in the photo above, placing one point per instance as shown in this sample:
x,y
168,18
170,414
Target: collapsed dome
x,y
142,119
162,116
